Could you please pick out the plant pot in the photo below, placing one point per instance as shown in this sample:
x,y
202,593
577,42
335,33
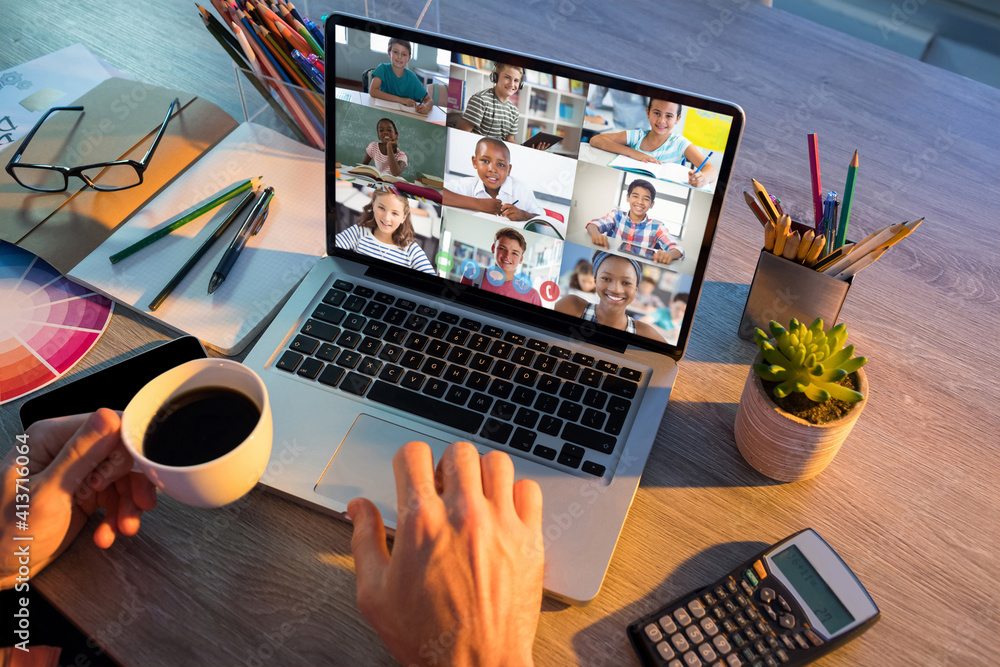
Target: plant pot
x,y
785,447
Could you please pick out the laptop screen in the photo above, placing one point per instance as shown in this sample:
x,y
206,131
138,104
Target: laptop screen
x,y
556,191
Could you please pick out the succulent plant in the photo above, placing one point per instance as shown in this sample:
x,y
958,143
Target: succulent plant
x,y
808,360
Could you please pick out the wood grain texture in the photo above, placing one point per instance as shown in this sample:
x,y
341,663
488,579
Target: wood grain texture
x,y
910,501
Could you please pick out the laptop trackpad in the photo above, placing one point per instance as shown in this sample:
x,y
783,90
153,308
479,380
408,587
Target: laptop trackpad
x,y
362,465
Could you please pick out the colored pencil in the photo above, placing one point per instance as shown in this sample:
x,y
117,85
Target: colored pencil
x,y
271,69
316,31
805,246
210,20
817,188
704,162
184,219
826,260
765,201
752,203
884,239
241,61
845,210
864,262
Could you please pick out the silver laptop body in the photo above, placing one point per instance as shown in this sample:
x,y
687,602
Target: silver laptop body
x,y
331,445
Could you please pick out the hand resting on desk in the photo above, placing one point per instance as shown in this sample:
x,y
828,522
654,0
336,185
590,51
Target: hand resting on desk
x,y
75,465
463,585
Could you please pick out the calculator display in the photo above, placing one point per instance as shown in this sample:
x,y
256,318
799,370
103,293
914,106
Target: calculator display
x,y
813,589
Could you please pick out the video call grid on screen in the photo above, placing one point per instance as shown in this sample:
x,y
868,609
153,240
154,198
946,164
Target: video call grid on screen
x,y
486,173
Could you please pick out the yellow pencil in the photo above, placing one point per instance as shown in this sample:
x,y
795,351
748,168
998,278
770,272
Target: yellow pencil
x,y
765,200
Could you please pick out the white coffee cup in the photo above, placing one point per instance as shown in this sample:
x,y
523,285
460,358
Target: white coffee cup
x,y
219,481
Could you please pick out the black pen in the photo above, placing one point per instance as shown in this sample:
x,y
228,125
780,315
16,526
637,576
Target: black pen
x,y
175,281
250,228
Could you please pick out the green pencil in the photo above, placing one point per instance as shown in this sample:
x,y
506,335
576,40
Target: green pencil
x,y
845,207
180,222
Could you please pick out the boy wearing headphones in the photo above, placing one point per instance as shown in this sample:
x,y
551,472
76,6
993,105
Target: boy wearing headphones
x,y
490,111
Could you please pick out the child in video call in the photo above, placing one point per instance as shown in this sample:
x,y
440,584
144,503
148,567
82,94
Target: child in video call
x,y
635,226
493,189
508,251
659,145
645,298
616,278
385,232
392,82
385,152
670,319
581,281
490,111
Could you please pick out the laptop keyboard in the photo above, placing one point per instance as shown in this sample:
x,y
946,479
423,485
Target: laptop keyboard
x,y
556,406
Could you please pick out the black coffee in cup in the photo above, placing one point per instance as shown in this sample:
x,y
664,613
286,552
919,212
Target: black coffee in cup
x,y
199,426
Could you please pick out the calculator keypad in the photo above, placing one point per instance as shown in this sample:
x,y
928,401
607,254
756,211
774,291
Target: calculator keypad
x,y
741,621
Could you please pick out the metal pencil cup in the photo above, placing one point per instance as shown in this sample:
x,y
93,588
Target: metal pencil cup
x,y
783,289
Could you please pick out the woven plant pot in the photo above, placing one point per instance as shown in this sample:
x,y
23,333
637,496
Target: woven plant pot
x,y
785,447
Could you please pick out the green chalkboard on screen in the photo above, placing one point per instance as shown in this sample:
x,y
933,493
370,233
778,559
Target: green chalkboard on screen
x,y
423,142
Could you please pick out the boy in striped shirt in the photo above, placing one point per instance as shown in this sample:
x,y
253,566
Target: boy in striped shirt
x,y
490,111
385,232
636,226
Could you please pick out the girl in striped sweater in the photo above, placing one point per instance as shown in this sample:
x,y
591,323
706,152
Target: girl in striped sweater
x,y
385,232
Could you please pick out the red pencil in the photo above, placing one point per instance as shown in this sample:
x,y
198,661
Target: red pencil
x,y
817,187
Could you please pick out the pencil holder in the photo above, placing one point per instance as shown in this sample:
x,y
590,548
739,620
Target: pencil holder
x,y
783,289
292,110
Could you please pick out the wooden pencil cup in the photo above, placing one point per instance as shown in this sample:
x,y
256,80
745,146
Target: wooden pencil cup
x,y
783,289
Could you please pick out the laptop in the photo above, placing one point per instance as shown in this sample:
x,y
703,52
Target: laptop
x,y
465,297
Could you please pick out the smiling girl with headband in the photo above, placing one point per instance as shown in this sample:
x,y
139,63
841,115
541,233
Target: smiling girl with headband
x,y
617,280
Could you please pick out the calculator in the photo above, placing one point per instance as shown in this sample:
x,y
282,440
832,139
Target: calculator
x,y
795,601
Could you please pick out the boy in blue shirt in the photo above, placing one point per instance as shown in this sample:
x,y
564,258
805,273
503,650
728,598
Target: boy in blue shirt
x,y
392,82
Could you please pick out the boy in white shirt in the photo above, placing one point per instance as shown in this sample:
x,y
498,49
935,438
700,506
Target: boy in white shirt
x,y
493,190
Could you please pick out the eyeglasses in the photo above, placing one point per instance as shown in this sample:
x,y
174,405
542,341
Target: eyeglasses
x,y
103,176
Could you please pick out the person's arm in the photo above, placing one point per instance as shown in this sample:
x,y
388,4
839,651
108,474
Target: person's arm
x,y
367,160
708,173
528,207
71,466
466,563
571,305
667,256
375,90
472,116
486,205
425,105
510,138
667,250
514,213
599,227
418,259
617,142
348,239
396,165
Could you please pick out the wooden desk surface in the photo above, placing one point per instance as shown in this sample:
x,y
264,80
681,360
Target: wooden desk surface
x,y
910,502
